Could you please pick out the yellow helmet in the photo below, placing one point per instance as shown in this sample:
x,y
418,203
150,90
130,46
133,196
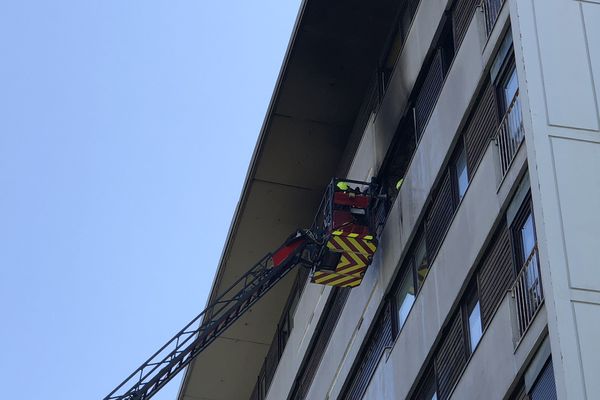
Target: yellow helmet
x,y
399,184
342,186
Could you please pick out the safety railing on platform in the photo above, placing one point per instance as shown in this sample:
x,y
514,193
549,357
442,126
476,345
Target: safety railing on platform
x,y
491,10
510,134
527,292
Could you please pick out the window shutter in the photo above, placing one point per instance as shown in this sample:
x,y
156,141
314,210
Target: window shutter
x,y
439,215
317,349
451,357
462,14
496,273
429,92
380,337
481,128
545,387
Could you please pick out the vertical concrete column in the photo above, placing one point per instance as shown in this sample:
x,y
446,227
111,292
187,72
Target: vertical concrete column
x,y
557,47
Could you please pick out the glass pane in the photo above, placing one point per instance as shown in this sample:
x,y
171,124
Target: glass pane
x,y
511,87
527,246
461,174
405,297
527,237
421,262
475,329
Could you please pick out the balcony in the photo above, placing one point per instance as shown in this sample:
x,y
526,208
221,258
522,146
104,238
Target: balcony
x,y
510,134
491,10
527,292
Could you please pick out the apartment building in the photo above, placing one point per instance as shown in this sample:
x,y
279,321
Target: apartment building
x,y
485,284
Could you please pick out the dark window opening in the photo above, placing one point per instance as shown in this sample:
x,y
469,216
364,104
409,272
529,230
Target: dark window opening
x,y
396,40
398,157
428,389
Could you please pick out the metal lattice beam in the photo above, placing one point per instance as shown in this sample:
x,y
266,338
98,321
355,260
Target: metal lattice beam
x,y
201,331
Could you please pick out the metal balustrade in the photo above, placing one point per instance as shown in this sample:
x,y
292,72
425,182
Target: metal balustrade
x,y
491,10
510,134
527,292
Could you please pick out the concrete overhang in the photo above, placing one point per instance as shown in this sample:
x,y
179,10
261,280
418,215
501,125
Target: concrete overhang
x,y
328,65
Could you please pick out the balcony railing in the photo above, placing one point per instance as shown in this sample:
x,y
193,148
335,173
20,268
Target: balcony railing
x,y
527,292
510,134
491,10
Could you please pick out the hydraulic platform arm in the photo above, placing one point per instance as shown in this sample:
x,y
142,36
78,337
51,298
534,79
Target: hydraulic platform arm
x,y
338,248
197,335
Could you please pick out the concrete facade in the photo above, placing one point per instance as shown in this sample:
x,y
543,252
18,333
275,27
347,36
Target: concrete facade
x,y
562,71
559,73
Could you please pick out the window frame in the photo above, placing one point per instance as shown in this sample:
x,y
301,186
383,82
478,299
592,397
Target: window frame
x,y
407,272
508,65
525,210
429,382
420,238
459,150
471,298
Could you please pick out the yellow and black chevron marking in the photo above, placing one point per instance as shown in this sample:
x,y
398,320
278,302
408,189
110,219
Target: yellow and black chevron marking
x,y
347,244
352,264
335,279
352,235
356,254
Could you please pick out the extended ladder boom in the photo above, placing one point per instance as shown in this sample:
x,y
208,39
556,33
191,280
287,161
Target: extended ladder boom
x,y
178,352
338,248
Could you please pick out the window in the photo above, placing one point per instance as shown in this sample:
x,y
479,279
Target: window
x,y
473,314
430,392
504,75
398,156
525,246
381,336
396,40
529,255
459,171
508,91
538,380
510,86
545,386
527,237
491,10
528,285
433,74
428,389
421,261
495,273
405,296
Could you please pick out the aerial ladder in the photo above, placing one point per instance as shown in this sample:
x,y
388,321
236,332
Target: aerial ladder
x,y
338,248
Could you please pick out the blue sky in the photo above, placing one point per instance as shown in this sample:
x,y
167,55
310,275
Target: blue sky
x,y
126,128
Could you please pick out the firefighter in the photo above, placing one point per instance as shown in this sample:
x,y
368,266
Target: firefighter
x,y
344,187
